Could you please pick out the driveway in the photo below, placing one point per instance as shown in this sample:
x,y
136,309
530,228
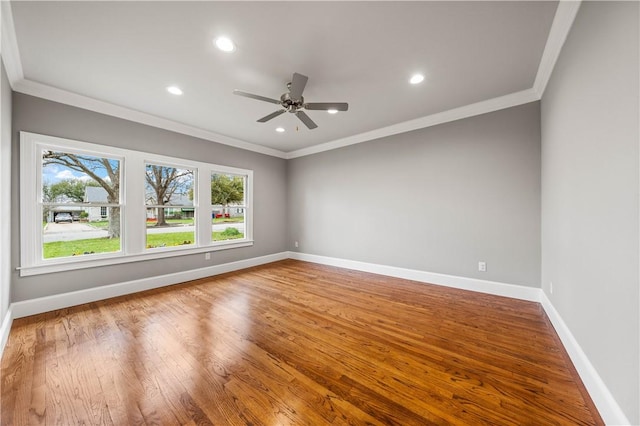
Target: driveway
x,y
70,232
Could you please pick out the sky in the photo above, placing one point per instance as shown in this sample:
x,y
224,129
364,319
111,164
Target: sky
x,y
54,173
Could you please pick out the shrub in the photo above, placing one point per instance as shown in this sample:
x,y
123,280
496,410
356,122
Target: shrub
x,y
230,232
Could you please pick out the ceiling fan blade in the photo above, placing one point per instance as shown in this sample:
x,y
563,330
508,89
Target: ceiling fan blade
x,y
306,120
324,106
252,96
272,115
298,83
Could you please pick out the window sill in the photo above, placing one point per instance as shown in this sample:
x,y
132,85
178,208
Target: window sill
x,y
116,259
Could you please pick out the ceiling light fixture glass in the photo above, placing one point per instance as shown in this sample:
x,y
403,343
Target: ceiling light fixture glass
x,y
416,79
225,44
174,90
332,111
279,129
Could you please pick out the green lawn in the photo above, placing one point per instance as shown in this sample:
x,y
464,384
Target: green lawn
x,y
106,245
103,224
79,247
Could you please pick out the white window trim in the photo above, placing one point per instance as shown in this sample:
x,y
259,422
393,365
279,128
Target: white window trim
x,y
196,197
133,207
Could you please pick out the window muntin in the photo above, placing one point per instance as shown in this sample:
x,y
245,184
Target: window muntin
x,y
131,208
76,187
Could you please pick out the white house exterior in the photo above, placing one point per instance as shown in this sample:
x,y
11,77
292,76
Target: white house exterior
x,y
180,204
96,194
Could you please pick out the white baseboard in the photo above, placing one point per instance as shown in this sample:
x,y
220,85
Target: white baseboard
x,y
609,409
5,329
464,283
607,406
65,300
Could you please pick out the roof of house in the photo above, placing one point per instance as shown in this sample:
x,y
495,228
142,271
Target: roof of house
x,y
95,194
180,200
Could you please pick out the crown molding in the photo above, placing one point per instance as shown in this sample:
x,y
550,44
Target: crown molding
x,y
44,91
10,51
483,107
560,27
15,74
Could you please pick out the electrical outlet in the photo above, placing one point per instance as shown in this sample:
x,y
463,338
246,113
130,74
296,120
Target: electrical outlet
x,y
551,287
482,266
296,244
207,256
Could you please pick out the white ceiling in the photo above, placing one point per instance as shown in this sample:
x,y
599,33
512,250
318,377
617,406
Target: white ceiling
x,y
363,53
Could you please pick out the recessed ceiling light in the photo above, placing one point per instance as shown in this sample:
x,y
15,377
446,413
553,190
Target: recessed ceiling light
x,y
416,78
225,44
174,90
332,111
279,129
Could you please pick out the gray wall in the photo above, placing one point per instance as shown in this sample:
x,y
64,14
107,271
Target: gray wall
x,y
438,199
590,187
5,197
45,117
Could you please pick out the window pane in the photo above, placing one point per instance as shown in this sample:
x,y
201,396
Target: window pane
x,y
75,189
228,200
227,190
74,178
168,186
64,237
177,227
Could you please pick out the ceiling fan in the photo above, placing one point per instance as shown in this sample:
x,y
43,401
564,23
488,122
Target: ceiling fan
x,y
293,102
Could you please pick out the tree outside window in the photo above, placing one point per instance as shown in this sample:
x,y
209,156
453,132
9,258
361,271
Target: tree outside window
x,y
103,172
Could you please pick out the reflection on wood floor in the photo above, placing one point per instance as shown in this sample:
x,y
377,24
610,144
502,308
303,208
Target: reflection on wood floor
x,y
292,343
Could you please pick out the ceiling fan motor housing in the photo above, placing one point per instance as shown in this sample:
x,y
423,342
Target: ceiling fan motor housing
x,y
289,104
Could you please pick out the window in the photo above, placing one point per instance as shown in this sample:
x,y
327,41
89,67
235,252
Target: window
x,y
168,191
227,206
78,185
86,205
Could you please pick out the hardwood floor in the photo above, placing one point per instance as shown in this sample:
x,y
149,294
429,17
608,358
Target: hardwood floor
x,y
292,343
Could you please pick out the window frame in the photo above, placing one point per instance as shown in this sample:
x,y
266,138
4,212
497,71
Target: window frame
x,y
243,206
196,181
132,205
41,204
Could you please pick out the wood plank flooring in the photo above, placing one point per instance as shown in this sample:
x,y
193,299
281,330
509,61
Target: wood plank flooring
x,y
292,343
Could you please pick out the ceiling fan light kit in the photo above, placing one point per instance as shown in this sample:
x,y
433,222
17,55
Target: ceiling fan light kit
x,y
292,101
